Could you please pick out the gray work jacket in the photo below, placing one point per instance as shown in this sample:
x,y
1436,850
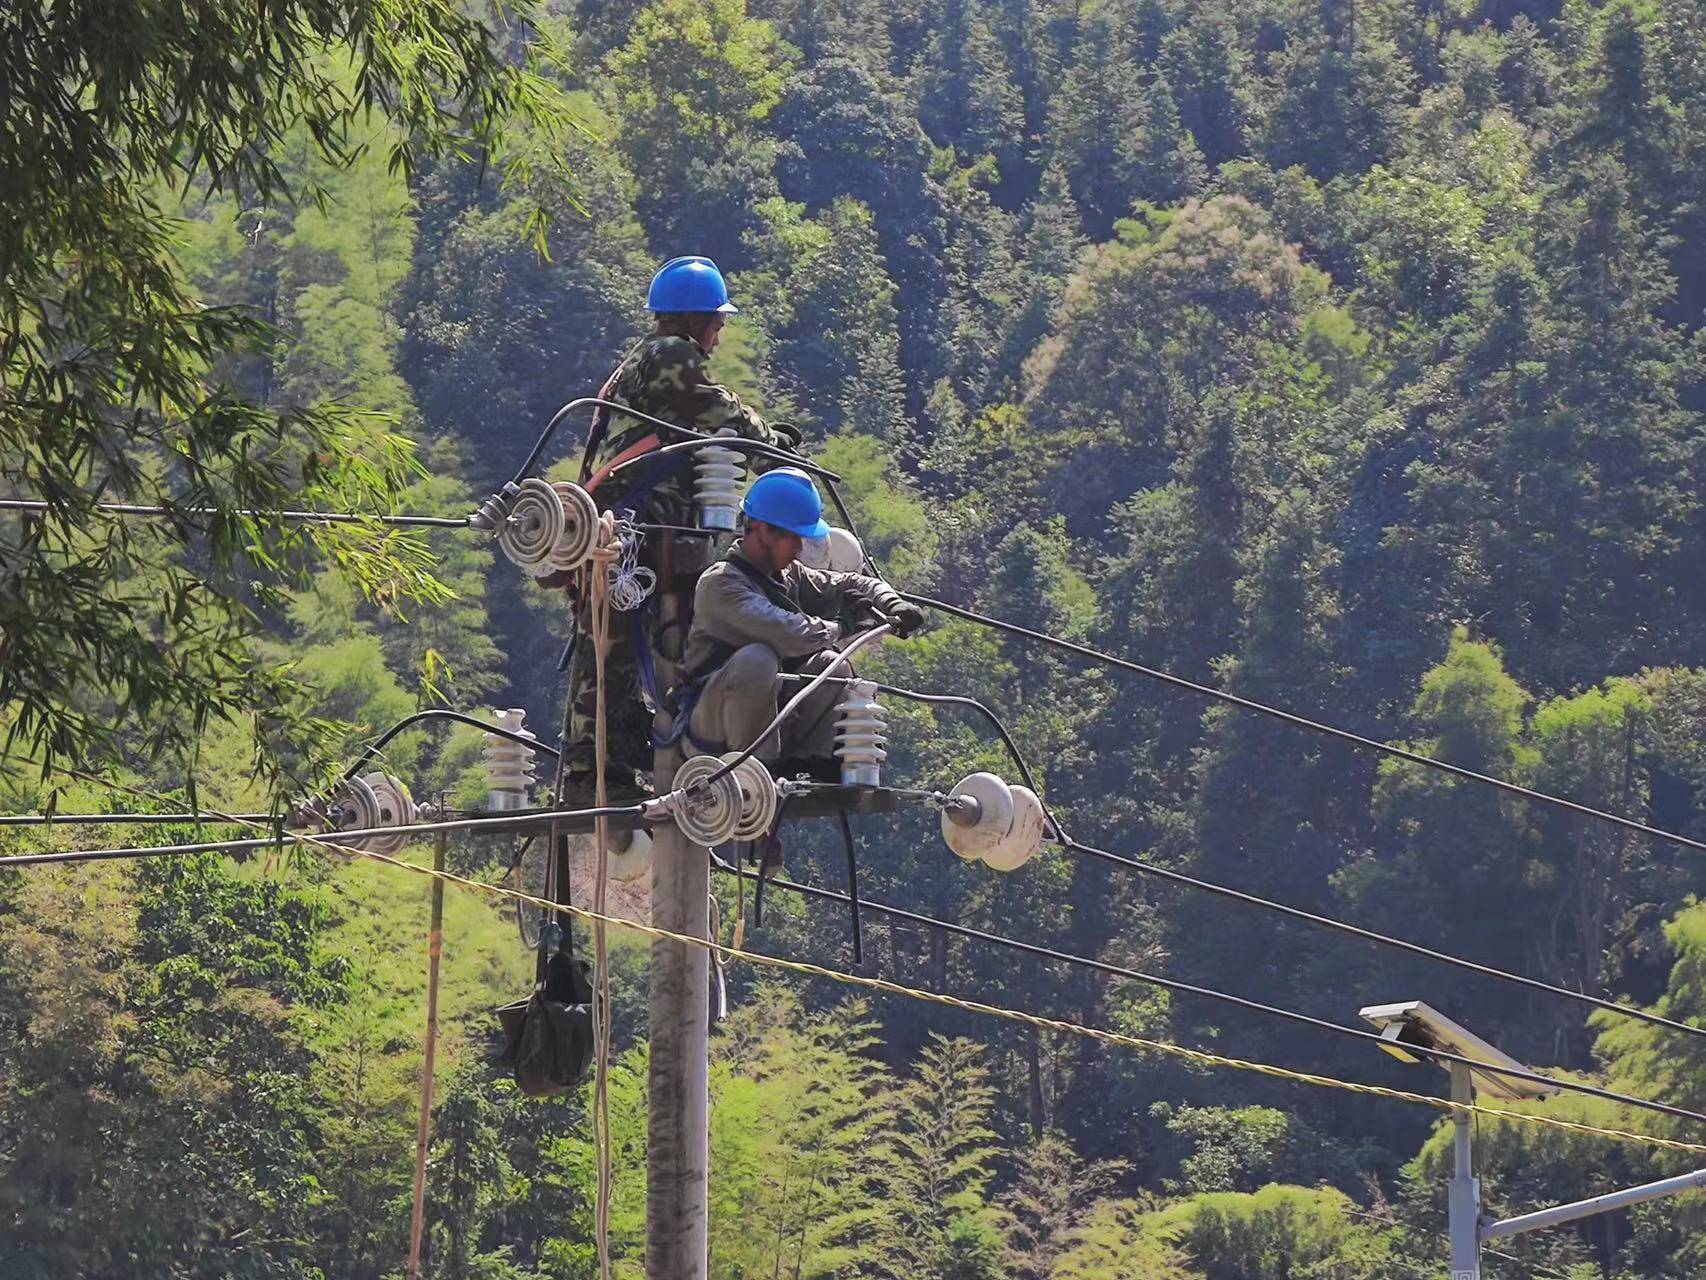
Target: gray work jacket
x,y
736,603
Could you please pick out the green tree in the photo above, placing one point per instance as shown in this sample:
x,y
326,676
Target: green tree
x,y
118,375
689,89
938,1220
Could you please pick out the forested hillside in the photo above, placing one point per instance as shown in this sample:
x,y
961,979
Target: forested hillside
x,y
1348,357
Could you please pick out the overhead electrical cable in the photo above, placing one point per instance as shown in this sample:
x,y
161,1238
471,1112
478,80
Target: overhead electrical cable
x,y
594,402
514,821
35,506
1303,722
114,819
1209,993
1147,868
1200,1056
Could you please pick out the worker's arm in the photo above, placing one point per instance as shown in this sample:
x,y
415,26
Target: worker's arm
x,y
678,377
730,608
827,594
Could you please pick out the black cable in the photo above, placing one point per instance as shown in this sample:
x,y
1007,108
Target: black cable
x,y
1209,993
517,821
293,517
1268,904
119,819
1303,722
1385,940
738,444
438,713
594,402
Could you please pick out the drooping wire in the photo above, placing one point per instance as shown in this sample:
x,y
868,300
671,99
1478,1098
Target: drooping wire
x,y
1209,993
1200,1056
35,506
594,402
1303,722
1155,870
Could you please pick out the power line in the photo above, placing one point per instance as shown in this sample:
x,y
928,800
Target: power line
x,y
1209,993
1303,722
115,819
1200,1056
1147,868
1382,939
518,821
290,517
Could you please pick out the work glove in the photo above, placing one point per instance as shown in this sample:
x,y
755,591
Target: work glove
x,y
905,618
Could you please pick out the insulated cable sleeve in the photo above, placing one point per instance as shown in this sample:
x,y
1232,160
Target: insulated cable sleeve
x,y
1303,722
1209,993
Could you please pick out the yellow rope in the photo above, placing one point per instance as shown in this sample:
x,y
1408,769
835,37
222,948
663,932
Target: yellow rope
x,y
1199,1056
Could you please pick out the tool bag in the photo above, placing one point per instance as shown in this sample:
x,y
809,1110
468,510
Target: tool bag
x,y
548,1036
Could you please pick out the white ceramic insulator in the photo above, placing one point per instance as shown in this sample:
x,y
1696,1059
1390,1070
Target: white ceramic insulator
x,y
979,816
711,815
579,532
759,800
719,481
861,735
530,532
509,765
1024,837
396,809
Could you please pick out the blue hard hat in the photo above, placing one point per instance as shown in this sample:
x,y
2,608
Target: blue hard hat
x,y
787,498
689,284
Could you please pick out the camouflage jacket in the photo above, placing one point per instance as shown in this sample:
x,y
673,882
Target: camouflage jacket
x,y
665,376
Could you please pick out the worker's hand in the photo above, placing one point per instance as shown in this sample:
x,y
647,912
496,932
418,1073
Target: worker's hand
x,y
905,618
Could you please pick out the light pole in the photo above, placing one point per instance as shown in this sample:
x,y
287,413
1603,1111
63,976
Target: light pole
x,y
1414,1025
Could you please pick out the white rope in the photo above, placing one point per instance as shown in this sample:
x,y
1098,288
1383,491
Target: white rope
x,y
630,582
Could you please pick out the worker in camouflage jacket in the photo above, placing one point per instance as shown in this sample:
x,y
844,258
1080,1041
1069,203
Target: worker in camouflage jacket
x,y
665,376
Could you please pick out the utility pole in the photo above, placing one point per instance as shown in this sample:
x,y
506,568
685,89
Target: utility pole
x,y
678,1141
423,1129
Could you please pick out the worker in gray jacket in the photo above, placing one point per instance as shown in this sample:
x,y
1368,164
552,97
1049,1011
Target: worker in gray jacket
x,y
758,613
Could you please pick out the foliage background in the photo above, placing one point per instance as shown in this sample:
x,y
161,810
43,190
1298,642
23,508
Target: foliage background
x,y
1345,356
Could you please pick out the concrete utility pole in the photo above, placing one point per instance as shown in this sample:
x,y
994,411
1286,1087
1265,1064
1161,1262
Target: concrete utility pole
x,y
678,1142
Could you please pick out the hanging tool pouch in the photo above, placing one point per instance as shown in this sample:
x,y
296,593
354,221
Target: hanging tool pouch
x,y
548,1036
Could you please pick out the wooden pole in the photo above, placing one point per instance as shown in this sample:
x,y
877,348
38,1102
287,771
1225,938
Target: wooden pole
x,y
423,1129
678,1141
